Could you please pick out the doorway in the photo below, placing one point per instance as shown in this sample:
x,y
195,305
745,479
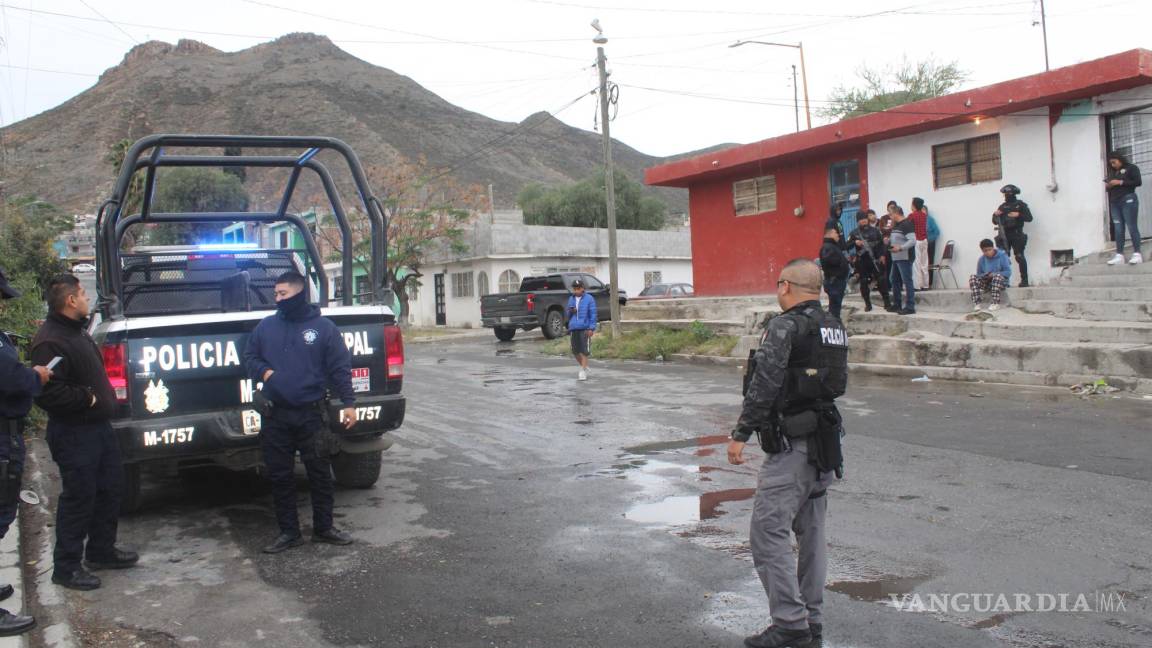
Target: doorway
x,y
1131,134
844,190
441,313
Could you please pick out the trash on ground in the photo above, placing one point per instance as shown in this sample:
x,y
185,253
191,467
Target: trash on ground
x,y
923,378
1093,388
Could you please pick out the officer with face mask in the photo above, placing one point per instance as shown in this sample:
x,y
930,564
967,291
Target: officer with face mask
x,y
298,355
1009,219
790,387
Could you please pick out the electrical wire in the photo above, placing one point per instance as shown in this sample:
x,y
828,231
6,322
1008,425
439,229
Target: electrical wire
x,y
121,29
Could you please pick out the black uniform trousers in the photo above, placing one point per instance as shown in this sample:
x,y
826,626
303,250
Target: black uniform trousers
x,y
11,470
285,432
1016,240
92,479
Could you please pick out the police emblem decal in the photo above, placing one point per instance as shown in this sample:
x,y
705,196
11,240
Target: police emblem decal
x,y
156,397
310,336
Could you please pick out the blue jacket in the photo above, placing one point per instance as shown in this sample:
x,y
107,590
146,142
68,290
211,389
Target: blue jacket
x,y
1000,264
585,318
307,353
18,384
933,229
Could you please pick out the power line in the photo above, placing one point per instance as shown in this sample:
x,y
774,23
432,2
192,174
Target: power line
x,y
122,30
36,69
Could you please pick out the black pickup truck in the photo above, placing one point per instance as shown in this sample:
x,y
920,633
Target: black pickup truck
x,y
172,321
540,304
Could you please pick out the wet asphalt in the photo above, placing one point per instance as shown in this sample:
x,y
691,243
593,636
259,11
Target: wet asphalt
x,y
520,507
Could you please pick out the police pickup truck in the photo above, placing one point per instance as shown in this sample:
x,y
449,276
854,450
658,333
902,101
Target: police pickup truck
x,y
172,323
540,304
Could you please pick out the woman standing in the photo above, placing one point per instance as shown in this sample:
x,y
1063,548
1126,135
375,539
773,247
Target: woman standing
x,y
1123,205
919,218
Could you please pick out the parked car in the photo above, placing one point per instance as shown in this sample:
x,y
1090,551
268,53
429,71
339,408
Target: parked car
x,y
540,304
83,267
666,291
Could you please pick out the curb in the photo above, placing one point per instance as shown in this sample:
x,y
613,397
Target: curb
x,y
11,572
52,611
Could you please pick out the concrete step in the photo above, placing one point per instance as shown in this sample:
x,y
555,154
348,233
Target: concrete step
x,y
720,327
1104,256
1007,325
1098,269
701,308
1070,292
1094,310
1128,361
1106,280
950,301
1034,379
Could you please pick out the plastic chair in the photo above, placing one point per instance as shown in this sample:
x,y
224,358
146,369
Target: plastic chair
x,y
946,264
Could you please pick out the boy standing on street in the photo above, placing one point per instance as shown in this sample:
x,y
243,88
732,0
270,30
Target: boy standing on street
x,y
582,319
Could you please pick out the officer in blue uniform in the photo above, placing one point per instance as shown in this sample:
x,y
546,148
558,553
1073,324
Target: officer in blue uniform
x,y
790,389
18,384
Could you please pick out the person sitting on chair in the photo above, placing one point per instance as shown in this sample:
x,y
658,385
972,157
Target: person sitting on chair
x,y
993,271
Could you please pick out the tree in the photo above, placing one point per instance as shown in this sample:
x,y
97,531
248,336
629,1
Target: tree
x,y
889,87
28,227
195,189
584,204
427,212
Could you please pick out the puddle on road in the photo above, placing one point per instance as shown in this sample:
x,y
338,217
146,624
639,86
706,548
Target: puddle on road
x,y
687,509
682,444
879,590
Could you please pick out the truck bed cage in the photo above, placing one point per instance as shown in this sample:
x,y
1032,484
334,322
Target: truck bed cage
x,y
148,154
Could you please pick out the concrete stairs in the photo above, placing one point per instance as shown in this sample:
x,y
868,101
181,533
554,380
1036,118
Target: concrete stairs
x,y
724,315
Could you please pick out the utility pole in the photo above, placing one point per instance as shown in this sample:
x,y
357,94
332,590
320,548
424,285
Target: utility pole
x,y
803,71
609,184
1044,29
796,97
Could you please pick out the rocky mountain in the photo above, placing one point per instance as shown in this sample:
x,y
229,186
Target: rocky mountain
x,y
297,84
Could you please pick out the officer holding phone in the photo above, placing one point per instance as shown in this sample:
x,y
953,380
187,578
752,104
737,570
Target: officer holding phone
x,y
18,384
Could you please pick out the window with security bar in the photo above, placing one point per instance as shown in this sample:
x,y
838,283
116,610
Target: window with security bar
x,y
754,195
969,161
462,284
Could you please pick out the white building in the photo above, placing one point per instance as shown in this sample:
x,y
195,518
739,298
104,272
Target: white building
x,y
503,252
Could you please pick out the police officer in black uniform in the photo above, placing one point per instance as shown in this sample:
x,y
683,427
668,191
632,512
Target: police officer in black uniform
x,y
297,354
18,384
1009,219
790,387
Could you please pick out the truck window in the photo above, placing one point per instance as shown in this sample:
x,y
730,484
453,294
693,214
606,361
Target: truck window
x,y
548,282
592,283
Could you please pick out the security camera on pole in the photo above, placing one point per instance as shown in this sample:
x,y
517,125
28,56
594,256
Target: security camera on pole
x,y
609,183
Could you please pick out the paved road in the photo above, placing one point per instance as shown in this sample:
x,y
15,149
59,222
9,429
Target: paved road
x,y
521,508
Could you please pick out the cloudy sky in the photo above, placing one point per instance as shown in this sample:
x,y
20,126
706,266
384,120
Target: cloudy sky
x,y
681,86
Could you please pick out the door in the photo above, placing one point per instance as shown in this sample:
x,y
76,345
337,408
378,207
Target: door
x,y
844,190
441,313
1131,134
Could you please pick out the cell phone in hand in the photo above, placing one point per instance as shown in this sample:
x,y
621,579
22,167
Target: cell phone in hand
x,y
53,362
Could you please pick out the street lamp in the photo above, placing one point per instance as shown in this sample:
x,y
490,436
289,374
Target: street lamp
x,y
803,70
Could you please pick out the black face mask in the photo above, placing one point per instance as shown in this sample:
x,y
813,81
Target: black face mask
x,y
294,307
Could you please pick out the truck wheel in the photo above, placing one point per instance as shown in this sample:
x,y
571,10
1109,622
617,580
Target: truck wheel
x,y
130,493
504,334
359,470
553,324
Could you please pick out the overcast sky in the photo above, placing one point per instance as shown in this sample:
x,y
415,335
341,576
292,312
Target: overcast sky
x,y
682,87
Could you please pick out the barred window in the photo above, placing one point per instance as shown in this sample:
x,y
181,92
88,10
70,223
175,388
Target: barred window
x,y
509,281
755,195
967,162
482,283
462,284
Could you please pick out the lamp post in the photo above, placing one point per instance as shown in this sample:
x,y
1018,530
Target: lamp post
x,y
609,183
803,70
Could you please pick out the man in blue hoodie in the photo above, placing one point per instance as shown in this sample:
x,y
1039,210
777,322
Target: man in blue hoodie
x,y
993,271
582,320
298,355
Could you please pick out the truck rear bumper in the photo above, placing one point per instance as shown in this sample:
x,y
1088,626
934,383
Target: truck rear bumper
x,y
513,321
222,437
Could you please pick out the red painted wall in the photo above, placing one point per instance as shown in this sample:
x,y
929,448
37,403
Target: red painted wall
x,y
743,255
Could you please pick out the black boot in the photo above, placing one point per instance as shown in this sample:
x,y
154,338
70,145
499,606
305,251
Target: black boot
x,y
6,592
284,542
14,624
332,536
118,559
817,630
77,579
776,637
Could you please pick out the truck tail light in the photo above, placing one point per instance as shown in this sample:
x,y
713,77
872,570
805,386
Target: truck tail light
x,y
116,367
394,351
530,300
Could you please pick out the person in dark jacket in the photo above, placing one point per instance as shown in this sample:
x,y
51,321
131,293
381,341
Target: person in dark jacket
x,y
1123,205
79,401
833,222
866,244
298,355
18,385
1009,219
836,269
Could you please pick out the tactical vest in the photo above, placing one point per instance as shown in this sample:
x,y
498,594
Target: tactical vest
x,y
818,364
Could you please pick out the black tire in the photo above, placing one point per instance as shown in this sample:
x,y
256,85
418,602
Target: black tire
x,y
553,324
359,470
504,334
130,494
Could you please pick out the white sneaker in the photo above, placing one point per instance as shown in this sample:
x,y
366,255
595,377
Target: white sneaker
x,y
583,375
1136,259
588,371
1119,258
977,308
994,307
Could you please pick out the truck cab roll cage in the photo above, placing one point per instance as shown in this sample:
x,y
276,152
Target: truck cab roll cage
x,y
148,154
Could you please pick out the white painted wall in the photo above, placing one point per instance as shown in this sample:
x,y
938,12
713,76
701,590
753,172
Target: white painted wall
x,y
1073,217
465,311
